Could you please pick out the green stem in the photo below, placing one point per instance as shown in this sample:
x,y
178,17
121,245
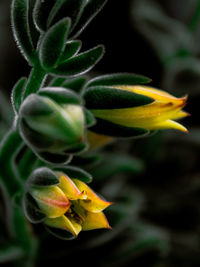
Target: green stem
x,y
36,79
8,150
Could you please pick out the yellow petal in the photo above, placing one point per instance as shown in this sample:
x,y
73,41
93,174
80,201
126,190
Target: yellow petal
x,y
95,221
51,200
169,124
179,115
154,93
96,141
93,202
64,223
143,116
69,188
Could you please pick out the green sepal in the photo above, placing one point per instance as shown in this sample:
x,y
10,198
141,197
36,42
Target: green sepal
x,y
92,8
76,173
76,84
41,12
60,233
16,97
71,49
57,81
32,138
60,95
31,210
42,177
102,97
54,158
77,149
20,23
53,43
80,64
114,130
66,8
86,160
118,79
34,105
89,118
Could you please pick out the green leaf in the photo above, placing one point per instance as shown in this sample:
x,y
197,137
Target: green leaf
x,y
42,177
76,84
102,97
92,8
60,95
41,13
10,252
75,173
16,97
71,49
31,210
80,64
118,79
89,117
53,43
60,233
110,129
66,8
54,158
20,23
90,159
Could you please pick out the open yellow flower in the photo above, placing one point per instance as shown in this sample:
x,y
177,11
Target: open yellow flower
x,y
71,205
160,114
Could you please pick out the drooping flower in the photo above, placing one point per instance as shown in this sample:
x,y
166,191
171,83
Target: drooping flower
x,y
141,107
70,204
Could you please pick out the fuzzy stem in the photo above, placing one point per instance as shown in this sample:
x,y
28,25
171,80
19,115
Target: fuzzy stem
x,y
36,79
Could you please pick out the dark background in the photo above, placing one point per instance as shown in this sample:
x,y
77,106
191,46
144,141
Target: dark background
x,y
165,185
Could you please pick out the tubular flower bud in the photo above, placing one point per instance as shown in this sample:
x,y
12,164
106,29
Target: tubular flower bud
x,y
68,205
125,108
52,123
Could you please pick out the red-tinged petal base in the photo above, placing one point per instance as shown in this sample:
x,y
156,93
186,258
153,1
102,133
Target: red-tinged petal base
x,y
51,200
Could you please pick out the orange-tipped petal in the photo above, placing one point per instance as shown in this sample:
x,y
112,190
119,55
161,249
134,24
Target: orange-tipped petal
x,y
69,188
93,202
64,223
95,221
51,200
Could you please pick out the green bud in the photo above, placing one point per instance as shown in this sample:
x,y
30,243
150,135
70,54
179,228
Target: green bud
x,y
50,126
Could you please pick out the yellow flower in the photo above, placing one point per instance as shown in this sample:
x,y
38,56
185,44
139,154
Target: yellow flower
x,y
160,114
71,205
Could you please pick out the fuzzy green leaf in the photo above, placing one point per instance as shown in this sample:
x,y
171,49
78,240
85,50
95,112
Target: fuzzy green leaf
x,y
60,233
71,49
89,117
102,97
31,210
17,92
110,129
20,23
118,79
80,64
76,84
66,8
92,8
60,95
54,158
42,177
41,13
53,43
